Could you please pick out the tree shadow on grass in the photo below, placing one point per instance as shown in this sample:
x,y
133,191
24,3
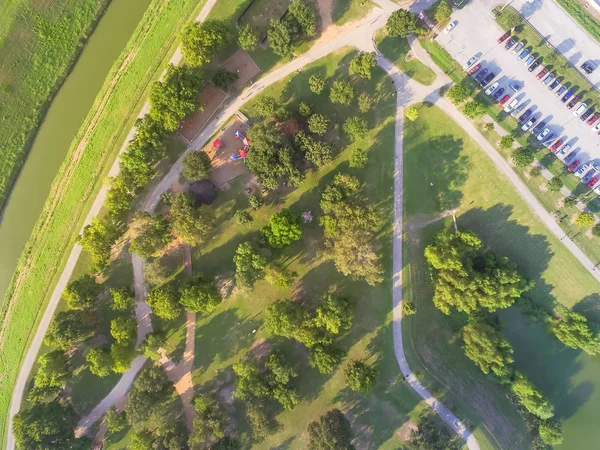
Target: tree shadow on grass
x,y
590,307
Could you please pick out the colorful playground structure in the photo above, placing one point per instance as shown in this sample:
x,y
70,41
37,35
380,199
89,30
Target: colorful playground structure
x,y
243,151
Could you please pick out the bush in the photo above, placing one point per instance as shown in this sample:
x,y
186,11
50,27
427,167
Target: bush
x,y
535,171
443,11
247,38
362,65
341,92
196,165
555,184
474,109
570,201
365,102
459,92
317,123
358,158
223,78
304,110
522,157
585,219
412,113
316,84
489,126
355,128
506,142
242,217
255,201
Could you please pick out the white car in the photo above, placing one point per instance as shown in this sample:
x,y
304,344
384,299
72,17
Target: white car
x,y
518,109
597,189
582,170
450,27
545,132
470,62
508,108
528,124
563,151
581,109
490,90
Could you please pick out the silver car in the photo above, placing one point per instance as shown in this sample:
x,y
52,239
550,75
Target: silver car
x,y
582,170
515,112
490,90
545,132
529,124
564,151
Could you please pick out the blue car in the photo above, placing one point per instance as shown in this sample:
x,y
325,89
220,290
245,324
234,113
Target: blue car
x,y
524,53
567,96
515,86
525,115
529,60
498,94
481,75
561,91
554,84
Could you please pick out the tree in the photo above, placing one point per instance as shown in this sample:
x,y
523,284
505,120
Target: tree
x,y
120,195
255,201
82,292
164,302
334,314
571,201
265,106
153,342
200,296
510,19
97,240
555,184
176,96
190,224
100,362
572,329
488,349
69,328
316,84
150,233
356,256
261,424
341,92
358,158
304,15
227,443
522,157
247,38
362,65
467,276
150,392
530,397
365,102
550,433
585,219
317,152
324,358
280,39
402,23
304,109
506,142
210,422
459,92
201,40
122,299
223,78
412,113
443,11
116,421
280,277
122,355
283,229
535,171
427,436
196,165
331,432
360,377
242,217
249,265
123,330
474,109
291,320
51,377
317,123
355,128
47,426
596,230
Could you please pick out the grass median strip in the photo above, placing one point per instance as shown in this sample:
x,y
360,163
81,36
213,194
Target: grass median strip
x,y
578,12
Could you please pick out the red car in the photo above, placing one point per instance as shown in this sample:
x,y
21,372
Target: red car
x,y
504,37
556,145
475,69
592,182
542,73
574,165
592,120
503,100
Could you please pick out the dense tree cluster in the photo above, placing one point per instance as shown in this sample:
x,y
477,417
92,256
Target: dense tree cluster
x,y
249,265
196,165
188,223
402,23
331,432
201,40
468,277
572,329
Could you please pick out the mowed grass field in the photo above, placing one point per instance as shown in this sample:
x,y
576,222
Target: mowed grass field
x,y
438,151
227,335
39,42
80,178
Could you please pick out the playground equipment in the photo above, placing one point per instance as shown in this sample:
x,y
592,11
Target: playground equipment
x,y
244,151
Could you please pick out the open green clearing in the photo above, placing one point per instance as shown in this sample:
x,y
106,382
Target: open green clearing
x,y
31,32
80,177
226,336
396,49
578,12
438,151
345,11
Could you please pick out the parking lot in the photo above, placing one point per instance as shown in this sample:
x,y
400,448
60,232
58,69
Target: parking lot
x,y
463,42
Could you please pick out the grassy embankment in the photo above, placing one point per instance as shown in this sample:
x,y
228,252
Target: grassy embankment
x,y
578,12
30,32
226,336
438,151
80,178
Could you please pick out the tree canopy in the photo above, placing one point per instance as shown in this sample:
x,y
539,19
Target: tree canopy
x,y
164,302
201,40
402,23
188,223
123,298
530,397
69,328
123,330
360,377
247,38
428,436
304,14
280,38
150,233
97,240
459,92
341,92
249,265
82,293
200,296
362,65
331,432
100,362
150,392
316,84
572,329
196,165
210,421
488,349
283,229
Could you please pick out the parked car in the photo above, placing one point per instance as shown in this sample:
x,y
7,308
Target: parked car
x,y
561,91
597,190
567,96
540,126
580,110
556,145
574,165
529,124
592,120
585,116
470,62
491,88
524,53
569,157
563,151
518,109
582,170
573,102
554,84
534,66
545,132
450,26
474,69
548,79
542,73
525,115
488,79
529,60
511,106
593,181
503,100
497,94
596,127
588,176
518,47
549,139
588,67
515,86
510,43
481,75
504,37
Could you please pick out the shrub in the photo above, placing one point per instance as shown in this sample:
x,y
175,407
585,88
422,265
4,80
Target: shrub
x,y
242,217
474,109
317,123
355,128
585,219
365,102
506,142
341,92
489,126
570,201
316,84
196,165
522,157
255,201
535,171
304,110
358,158
412,113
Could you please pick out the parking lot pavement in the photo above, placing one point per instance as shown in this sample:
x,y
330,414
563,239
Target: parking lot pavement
x,y
476,34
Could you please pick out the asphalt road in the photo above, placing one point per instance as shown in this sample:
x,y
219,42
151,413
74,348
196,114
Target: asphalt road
x,y
462,44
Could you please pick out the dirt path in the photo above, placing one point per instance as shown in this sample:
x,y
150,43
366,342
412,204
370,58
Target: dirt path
x,y
325,7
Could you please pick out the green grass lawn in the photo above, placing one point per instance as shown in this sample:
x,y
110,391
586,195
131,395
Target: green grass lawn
x,y
578,12
396,49
80,178
345,11
438,151
31,32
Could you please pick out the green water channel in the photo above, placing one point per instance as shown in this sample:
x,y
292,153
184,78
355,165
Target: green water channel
x,y
64,118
